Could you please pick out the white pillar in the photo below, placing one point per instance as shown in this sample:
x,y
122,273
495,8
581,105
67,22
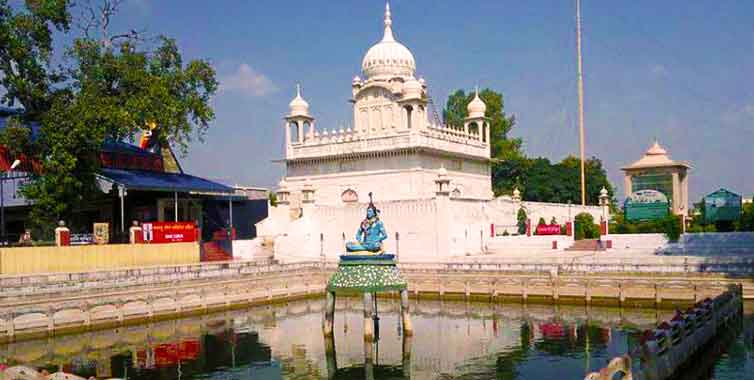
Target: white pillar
x,y
300,128
287,127
677,197
230,213
175,205
627,184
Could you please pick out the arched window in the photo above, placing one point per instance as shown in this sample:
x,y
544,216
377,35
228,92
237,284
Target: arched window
x,y
349,196
294,131
473,128
456,193
306,128
409,111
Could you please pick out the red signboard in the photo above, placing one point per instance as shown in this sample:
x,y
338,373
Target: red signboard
x,y
544,229
170,232
151,162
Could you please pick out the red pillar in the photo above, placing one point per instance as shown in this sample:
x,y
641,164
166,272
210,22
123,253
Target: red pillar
x,y
528,227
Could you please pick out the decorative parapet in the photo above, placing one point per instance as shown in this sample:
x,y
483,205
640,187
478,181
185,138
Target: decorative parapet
x,y
342,142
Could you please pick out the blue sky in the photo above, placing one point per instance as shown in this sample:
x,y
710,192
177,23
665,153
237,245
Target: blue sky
x,y
678,71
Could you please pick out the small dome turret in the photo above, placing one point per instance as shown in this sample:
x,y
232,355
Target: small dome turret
x,y
299,106
476,107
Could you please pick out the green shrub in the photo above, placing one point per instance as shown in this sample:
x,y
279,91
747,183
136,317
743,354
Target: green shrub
x,y
585,227
695,228
671,225
505,233
521,218
541,222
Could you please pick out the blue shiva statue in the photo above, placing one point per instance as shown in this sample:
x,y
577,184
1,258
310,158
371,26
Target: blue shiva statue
x,y
370,234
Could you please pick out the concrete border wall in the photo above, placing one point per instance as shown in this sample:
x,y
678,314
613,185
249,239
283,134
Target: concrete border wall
x,y
649,242
28,260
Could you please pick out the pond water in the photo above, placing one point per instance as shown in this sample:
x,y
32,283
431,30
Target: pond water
x,y
452,340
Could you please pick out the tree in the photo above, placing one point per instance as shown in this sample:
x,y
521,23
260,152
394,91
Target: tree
x,y
26,42
501,145
508,161
116,86
547,182
537,178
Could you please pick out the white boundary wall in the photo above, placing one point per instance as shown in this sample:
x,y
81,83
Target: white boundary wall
x,y
433,229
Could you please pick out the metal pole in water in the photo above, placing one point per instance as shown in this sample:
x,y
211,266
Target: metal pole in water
x,y
376,319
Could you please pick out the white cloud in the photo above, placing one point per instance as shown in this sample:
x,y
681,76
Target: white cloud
x,y
248,81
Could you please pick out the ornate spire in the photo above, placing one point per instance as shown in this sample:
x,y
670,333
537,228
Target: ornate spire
x,y
299,106
388,24
476,107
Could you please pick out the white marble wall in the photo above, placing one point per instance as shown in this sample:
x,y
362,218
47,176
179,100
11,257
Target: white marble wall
x,y
432,229
392,184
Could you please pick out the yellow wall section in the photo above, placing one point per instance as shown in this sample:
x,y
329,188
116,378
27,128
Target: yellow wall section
x,y
94,257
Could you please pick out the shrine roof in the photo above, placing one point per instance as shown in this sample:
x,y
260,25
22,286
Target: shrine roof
x,y
142,180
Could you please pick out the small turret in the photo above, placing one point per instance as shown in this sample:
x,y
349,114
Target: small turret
x,y
475,125
299,123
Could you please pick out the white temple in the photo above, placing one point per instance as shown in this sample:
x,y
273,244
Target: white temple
x,y
431,181
395,148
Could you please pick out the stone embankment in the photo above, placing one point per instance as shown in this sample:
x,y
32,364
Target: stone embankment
x,y
673,344
42,305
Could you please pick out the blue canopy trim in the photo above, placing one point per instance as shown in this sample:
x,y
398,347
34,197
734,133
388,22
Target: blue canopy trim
x,y
159,181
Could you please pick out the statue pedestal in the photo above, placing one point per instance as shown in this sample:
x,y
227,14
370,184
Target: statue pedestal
x,y
367,275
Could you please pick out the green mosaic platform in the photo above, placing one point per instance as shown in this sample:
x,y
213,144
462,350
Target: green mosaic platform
x,y
367,274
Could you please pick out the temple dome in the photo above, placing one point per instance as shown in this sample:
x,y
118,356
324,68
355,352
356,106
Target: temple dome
x,y
476,107
299,106
388,58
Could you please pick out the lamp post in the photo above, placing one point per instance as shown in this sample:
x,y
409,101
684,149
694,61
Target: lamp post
x,y
2,200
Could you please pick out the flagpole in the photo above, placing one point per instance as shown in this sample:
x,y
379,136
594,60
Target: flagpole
x,y
581,101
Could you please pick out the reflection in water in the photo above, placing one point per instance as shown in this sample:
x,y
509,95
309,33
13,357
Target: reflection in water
x,y
452,340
